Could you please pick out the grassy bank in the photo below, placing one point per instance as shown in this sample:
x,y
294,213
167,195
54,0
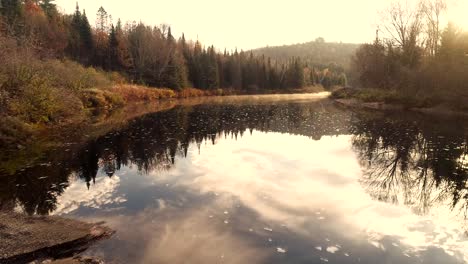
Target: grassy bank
x,y
38,91
406,100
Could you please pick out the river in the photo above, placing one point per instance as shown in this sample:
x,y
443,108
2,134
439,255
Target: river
x,y
266,179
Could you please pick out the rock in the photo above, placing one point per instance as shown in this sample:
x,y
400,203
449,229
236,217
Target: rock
x,y
40,237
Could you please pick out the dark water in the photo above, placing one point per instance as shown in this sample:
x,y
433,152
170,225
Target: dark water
x,y
284,180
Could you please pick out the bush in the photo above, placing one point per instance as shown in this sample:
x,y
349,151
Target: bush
x,y
43,91
134,93
71,75
100,98
192,92
13,130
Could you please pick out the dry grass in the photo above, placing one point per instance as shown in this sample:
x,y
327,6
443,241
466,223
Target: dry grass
x,y
191,92
135,93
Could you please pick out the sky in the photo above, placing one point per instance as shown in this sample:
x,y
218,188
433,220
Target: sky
x,y
248,24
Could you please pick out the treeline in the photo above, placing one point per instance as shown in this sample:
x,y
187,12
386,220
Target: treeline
x,y
418,58
151,55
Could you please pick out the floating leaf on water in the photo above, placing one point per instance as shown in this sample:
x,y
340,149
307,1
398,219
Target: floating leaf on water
x,y
280,250
332,249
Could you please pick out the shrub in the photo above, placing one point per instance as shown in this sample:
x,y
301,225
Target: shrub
x,y
99,98
134,93
73,76
191,92
13,130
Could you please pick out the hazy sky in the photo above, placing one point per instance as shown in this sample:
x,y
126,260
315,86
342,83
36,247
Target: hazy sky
x,y
247,24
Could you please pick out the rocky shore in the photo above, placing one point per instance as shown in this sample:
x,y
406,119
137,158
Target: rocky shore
x,y
47,239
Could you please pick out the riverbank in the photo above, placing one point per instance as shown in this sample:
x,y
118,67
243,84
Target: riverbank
x,y
25,239
374,99
90,104
31,146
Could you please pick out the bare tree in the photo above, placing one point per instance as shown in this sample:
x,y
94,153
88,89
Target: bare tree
x,y
403,24
433,10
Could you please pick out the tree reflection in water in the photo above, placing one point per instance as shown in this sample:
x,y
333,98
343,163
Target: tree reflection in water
x,y
421,163
153,142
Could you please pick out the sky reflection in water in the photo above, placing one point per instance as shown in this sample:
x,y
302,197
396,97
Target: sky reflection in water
x,y
259,190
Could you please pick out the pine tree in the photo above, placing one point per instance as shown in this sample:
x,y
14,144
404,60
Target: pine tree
x,y
196,67
114,62
123,53
49,8
170,38
236,71
175,74
12,17
102,20
220,65
74,40
13,12
212,72
101,42
86,38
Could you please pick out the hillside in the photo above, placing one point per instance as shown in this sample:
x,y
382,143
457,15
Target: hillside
x,y
316,52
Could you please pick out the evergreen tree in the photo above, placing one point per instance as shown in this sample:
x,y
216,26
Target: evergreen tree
x,y
114,60
236,71
13,12
49,8
12,17
196,73
86,38
175,74
102,20
74,40
212,72
101,42
170,38
123,54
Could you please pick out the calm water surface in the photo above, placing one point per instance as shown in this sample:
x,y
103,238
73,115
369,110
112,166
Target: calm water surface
x,y
265,180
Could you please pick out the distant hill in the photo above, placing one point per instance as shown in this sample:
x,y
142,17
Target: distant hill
x,y
316,52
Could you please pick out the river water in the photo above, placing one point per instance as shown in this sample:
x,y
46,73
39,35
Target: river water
x,y
268,179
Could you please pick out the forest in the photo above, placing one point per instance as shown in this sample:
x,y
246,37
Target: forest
x,y
55,66
319,53
415,59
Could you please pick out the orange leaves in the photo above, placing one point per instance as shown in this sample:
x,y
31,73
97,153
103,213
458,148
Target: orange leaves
x,y
31,8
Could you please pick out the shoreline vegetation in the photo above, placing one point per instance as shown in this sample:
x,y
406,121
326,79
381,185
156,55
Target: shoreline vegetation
x,y
57,69
31,143
415,62
63,81
377,99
